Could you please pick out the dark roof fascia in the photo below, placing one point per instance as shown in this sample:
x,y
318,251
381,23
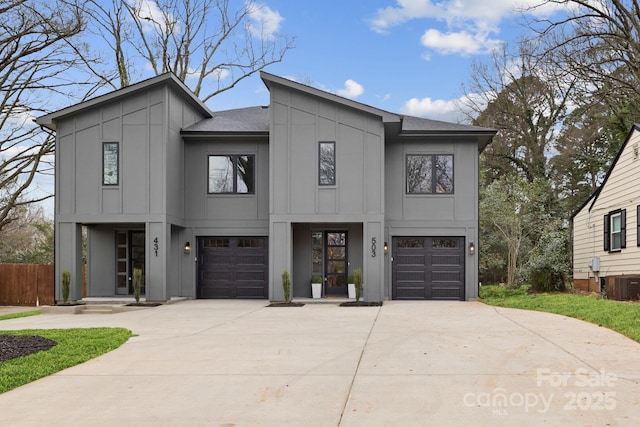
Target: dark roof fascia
x,y
484,137
387,117
205,134
49,120
634,128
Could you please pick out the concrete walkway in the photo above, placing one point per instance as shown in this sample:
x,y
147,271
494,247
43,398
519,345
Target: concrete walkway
x,y
239,363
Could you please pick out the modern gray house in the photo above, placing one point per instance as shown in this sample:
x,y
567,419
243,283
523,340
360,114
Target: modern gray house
x,y
219,204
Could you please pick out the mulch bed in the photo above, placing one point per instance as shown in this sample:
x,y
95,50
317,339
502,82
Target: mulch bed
x,y
286,304
12,346
143,304
361,304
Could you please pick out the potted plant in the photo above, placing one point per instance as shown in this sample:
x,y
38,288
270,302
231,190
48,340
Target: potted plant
x,y
351,286
316,286
357,279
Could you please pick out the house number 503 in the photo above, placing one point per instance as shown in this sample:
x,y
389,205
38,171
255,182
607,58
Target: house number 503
x,y
373,247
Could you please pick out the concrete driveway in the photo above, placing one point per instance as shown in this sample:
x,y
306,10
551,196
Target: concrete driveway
x,y
240,363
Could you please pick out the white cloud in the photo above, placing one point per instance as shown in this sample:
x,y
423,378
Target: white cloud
x,y
453,110
352,89
153,18
437,109
470,24
458,42
264,23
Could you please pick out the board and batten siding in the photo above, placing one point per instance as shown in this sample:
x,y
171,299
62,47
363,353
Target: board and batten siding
x,y
619,191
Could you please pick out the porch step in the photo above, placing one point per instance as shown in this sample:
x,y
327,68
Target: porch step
x,y
97,309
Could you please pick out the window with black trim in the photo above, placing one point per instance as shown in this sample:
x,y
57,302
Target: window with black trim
x,y
231,174
615,230
327,163
638,225
110,163
429,173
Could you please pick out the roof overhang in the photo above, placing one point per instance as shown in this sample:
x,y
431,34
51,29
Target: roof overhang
x,y
270,79
49,120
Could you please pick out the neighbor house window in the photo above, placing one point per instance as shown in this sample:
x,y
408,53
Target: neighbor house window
x,y
615,230
327,163
638,225
110,155
429,174
231,174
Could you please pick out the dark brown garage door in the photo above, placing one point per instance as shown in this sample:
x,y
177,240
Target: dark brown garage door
x,y
232,267
428,268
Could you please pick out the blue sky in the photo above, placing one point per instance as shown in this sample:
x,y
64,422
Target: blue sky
x,y
405,56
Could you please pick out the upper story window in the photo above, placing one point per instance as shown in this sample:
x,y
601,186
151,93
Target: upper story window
x,y
327,163
231,174
110,163
615,230
429,174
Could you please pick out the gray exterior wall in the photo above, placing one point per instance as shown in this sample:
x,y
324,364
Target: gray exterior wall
x,y
438,214
146,124
299,121
163,186
221,214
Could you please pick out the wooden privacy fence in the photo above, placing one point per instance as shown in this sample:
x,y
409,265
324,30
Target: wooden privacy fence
x,y
26,284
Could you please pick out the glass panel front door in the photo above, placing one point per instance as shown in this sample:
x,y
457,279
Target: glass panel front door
x,y
336,263
130,254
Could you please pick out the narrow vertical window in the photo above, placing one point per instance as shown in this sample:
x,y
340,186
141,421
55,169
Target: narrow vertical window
x,y
419,174
110,161
327,163
615,230
443,168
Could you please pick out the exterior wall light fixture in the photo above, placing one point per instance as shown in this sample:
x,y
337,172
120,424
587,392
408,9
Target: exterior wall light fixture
x,y
187,248
386,248
472,248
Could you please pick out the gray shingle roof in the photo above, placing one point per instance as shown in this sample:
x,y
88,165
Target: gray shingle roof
x,y
240,120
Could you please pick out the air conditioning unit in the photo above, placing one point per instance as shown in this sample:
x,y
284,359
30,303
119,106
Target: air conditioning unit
x,y
626,288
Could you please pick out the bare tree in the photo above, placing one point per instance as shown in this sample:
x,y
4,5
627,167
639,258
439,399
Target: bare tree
x,y
34,58
597,41
208,44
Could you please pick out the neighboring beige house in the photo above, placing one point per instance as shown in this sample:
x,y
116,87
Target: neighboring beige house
x,y
606,241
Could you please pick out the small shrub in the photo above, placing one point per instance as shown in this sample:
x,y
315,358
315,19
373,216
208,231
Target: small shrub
x,y
137,283
286,286
66,285
357,280
548,266
316,279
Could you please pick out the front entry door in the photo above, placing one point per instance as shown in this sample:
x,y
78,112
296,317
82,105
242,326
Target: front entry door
x,y
335,262
130,254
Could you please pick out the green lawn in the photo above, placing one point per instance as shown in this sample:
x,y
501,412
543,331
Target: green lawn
x,y
16,315
623,317
75,346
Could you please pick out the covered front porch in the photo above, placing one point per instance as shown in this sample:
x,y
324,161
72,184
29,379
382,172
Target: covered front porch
x,y
106,255
331,251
